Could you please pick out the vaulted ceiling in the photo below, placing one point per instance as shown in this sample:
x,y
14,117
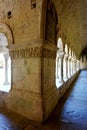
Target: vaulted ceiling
x,y
72,21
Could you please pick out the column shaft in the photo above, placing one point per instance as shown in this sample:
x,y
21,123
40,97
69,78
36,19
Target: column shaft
x,y
6,69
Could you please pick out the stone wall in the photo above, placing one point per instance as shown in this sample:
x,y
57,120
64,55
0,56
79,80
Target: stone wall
x,y
22,19
26,94
33,92
33,79
30,104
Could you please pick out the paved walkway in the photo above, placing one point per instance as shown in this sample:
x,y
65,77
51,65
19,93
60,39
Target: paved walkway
x,y
69,114
72,109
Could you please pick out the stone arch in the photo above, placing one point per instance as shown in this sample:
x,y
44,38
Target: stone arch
x,y
4,28
6,40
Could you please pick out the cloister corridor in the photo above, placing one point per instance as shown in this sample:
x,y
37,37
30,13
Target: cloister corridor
x,y
43,64
69,114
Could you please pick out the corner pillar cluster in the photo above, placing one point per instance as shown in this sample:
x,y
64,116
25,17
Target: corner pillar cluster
x,y
33,92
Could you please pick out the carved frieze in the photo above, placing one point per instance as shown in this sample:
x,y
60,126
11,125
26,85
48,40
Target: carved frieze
x,y
32,52
48,53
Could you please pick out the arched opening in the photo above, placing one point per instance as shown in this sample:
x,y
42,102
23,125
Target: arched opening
x,y
59,63
5,64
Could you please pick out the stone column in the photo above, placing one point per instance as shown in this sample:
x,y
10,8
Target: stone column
x,y
74,66
33,72
69,66
77,65
66,66
61,56
57,68
6,56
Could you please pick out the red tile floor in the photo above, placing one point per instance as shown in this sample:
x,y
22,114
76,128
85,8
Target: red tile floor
x,y
69,114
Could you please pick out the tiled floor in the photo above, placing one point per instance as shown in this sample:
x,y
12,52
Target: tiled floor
x,y
69,114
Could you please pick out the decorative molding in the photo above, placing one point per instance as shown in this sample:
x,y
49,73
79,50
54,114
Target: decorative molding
x,y
48,53
32,52
26,53
41,48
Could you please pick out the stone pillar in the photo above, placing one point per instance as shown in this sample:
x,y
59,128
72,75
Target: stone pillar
x,y
77,65
69,66
61,56
74,66
33,72
57,68
66,66
6,56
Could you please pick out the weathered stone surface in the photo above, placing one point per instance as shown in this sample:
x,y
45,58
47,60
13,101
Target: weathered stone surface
x,y
33,91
